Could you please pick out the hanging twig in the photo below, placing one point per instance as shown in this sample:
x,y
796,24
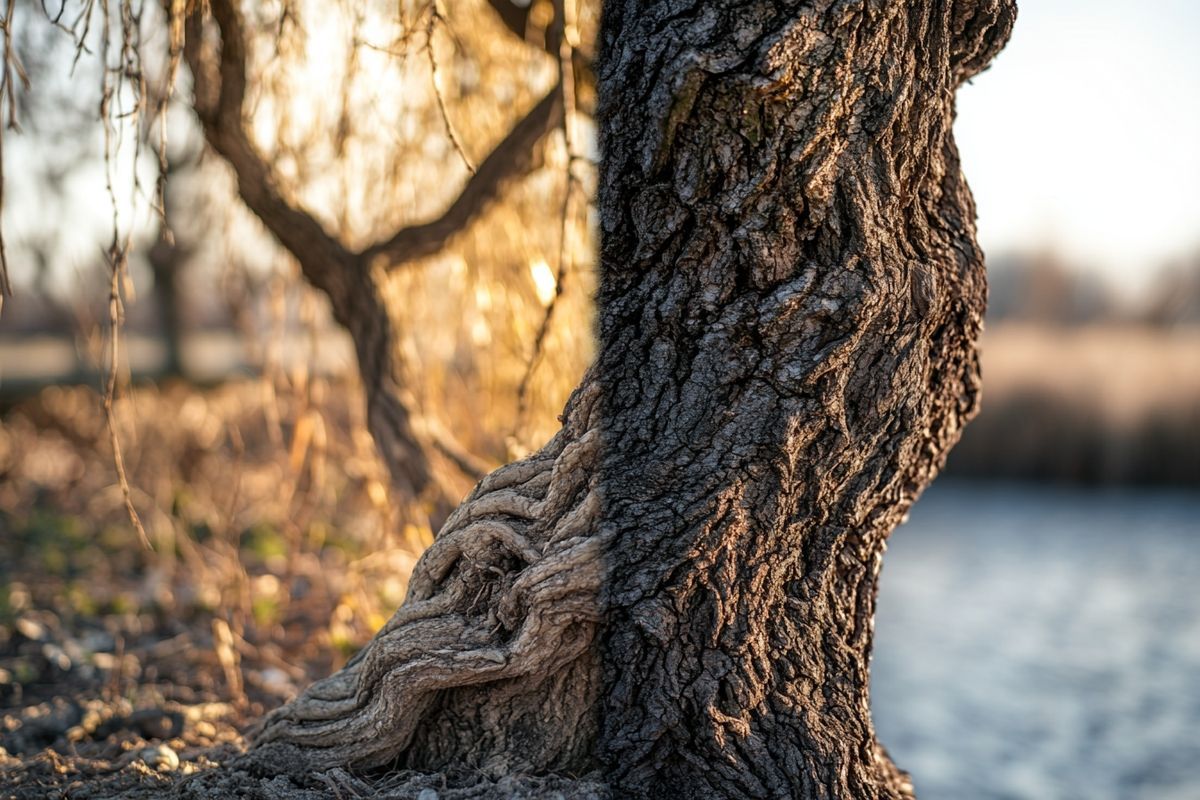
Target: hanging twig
x,y
435,16
114,78
566,71
110,393
10,73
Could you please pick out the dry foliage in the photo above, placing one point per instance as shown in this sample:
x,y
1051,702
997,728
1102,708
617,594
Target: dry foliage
x,y
1113,404
275,555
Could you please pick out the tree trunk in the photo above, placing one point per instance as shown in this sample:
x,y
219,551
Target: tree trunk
x,y
166,259
674,598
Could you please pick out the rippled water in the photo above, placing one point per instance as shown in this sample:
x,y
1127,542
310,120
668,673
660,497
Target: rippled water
x,y
1043,644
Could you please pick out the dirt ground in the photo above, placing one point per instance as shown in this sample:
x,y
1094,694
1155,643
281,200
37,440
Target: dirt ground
x,y
273,556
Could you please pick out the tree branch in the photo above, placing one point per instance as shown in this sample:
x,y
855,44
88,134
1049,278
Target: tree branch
x,y
514,17
323,259
512,158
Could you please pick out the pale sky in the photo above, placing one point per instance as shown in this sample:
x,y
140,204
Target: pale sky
x,y
1085,134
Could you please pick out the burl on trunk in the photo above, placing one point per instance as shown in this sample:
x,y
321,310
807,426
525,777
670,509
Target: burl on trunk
x,y
674,597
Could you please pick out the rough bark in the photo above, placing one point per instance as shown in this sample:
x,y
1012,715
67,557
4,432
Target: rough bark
x,y
674,598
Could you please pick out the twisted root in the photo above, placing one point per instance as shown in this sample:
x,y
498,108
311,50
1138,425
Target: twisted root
x,y
509,589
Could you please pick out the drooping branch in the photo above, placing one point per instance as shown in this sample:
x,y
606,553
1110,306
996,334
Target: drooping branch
x,y
347,276
514,157
219,101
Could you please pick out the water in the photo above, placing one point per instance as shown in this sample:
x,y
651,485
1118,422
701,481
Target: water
x,y
1043,644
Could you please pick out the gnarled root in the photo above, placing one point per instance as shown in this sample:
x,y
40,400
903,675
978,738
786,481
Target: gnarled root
x,y
507,595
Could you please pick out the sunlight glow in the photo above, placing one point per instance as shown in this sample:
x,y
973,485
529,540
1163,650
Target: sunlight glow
x,y
543,280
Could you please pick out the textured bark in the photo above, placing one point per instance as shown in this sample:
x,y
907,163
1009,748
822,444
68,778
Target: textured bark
x,y
674,598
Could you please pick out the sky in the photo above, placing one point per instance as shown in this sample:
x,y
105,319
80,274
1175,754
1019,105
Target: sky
x,y
1084,136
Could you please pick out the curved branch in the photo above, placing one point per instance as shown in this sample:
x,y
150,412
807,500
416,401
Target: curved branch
x,y
514,17
514,157
219,103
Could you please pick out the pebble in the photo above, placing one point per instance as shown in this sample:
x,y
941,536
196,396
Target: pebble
x,y
160,757
31,629
427,794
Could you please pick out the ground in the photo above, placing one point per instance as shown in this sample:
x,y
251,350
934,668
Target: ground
x,y
126,667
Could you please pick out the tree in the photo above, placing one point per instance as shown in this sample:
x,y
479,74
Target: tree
x,y
674,597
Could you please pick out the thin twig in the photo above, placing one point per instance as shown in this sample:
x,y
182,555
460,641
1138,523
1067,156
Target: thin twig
x,y
110,392
435,16
9,74
113,79
566,71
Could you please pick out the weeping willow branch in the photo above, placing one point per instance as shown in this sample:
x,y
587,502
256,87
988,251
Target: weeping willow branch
x,y
10,74
567,35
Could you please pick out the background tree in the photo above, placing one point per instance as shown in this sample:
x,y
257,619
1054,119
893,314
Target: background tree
x,y
352,277
371,139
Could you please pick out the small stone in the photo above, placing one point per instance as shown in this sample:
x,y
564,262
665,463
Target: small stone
x,y
277,682
153,723
427,794
160,757
56,656
31,629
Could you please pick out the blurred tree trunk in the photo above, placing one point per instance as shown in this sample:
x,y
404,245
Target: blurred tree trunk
x,y
675,597
427,467
166,261
168,258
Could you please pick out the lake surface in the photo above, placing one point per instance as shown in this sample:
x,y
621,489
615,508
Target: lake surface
x,y
1043,644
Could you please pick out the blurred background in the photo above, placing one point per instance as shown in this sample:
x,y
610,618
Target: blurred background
x,y
1039,627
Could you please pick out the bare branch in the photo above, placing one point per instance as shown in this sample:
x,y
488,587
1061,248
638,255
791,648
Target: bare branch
x,y
117,264
219,102
11,72
435,16
514,17
512,158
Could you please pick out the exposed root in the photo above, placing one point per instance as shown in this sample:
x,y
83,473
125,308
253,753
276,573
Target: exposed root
x,y
508,590
282,772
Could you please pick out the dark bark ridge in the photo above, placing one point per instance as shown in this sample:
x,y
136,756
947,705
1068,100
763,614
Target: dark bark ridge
x,y
791,298
675,596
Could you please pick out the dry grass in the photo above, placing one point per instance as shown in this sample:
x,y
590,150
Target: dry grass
x,y
1127,372
275,555
1099,405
